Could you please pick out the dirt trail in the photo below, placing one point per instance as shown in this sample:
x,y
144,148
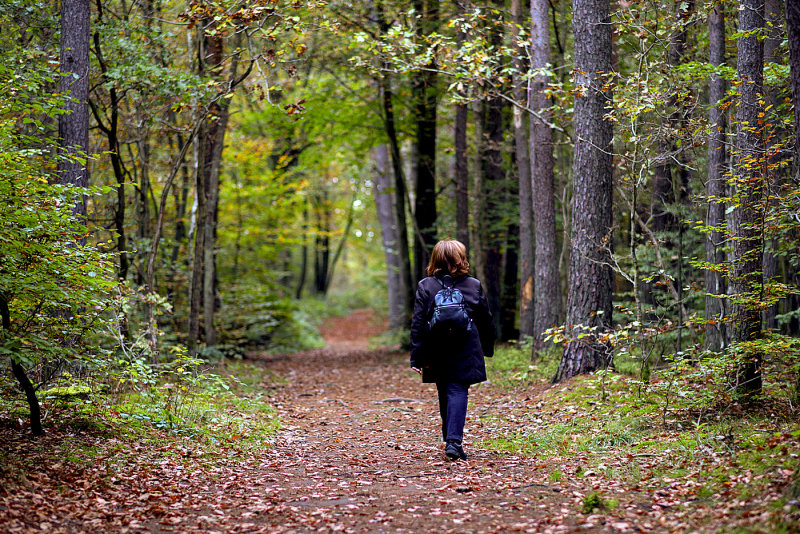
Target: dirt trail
x,y
359,451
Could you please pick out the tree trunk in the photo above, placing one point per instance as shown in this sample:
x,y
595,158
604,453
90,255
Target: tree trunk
x,y
716,336
322,251
22,378
671,177
526,261
495,196
407,290
303,255
143,187
213,140
73,126
462,167
478,206
746,231
424,91
462,176
793,35
510,290
547,282
773,10
196,280
181,202
384,202
494,183
590,276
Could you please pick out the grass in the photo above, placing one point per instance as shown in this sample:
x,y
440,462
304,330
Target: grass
x,y
512,365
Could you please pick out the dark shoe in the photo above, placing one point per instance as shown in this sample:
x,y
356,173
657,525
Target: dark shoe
x,y
454,451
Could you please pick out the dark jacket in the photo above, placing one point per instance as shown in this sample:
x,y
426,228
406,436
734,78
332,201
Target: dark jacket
x,y
458,360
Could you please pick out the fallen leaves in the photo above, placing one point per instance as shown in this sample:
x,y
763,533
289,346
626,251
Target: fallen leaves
x,y
359,451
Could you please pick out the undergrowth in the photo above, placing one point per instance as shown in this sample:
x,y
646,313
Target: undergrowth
x,y
682,424
211,406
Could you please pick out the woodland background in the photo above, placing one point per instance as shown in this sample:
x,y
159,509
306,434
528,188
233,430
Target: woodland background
x,y
187,182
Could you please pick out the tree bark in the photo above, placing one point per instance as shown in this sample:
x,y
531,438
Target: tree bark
x,y
478,206
384,202
462,176
462,167
523,160
747,234
399,203
21,376
73,126
494,183
303,255
793,34
425,93
547,283
386,96
716,335
773,10
510,292
590,276
217,122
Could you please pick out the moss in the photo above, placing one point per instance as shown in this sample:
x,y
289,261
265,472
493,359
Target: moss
x,y
594,502
67,392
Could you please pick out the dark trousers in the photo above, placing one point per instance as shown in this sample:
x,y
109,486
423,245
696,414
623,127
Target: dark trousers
x,y
453,409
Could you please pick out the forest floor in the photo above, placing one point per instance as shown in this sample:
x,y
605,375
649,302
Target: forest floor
x,y
358,450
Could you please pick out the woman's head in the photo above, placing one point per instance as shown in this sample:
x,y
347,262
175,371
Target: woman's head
x,y
449,257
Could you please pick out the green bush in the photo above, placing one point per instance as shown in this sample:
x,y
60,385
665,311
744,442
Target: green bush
x,y
254,317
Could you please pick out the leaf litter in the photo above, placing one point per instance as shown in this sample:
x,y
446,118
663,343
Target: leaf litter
x,y
359,451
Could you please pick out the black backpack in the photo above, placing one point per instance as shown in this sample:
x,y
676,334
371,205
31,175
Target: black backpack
x,y
450,316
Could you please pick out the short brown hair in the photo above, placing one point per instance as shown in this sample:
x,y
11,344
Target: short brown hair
x,y
449,257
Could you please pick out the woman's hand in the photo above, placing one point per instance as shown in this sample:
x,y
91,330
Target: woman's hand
x,y
417,369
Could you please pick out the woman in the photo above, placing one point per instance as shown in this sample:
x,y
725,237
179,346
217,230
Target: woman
x,y
451,357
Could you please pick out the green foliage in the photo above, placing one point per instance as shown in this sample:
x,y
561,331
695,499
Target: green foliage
x,y
186,397
54,284
255,317
594,502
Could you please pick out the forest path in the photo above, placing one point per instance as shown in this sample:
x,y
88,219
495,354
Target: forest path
x,y
359,451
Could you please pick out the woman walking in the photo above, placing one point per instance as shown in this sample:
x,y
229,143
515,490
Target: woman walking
x,y
451,332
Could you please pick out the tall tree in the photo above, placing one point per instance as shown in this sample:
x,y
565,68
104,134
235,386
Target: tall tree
x,y
773,11
494,183
478,196
547,284
523,160
386,96
425,97
384,201
715,186
73,126
746,233
462,167
590,276
793,34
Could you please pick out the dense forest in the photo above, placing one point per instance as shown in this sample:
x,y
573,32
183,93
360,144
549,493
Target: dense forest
x,y
182,175
189,182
